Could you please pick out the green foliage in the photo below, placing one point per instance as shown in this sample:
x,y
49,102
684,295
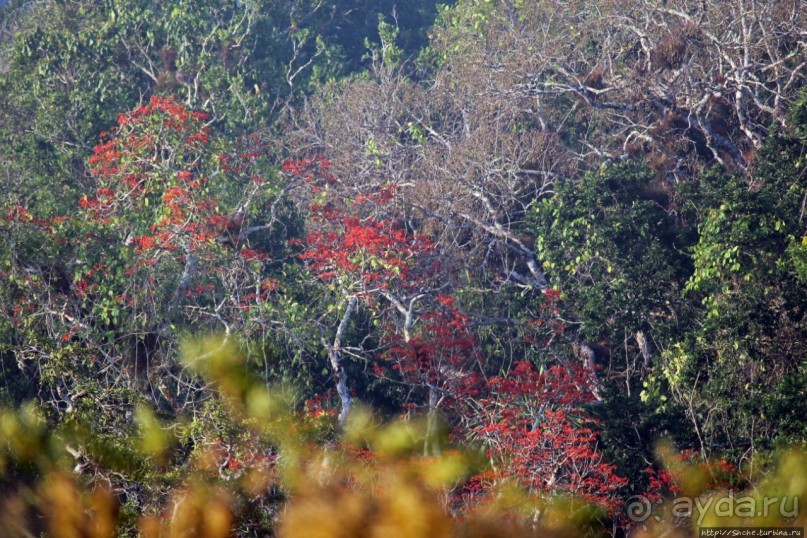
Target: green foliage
x,y
727,330
737,366
612,251
389,53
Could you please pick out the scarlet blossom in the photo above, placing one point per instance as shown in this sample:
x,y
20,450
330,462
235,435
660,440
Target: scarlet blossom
x,y
142,110
269,285
535,421
18,213
173,193
200,137
167,105
143,243
252,254
551,295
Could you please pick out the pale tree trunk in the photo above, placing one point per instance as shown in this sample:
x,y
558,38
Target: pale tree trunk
x,y
644,348
587,354
431,445
338,369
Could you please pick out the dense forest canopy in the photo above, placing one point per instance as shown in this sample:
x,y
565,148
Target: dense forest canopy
x,y
352,267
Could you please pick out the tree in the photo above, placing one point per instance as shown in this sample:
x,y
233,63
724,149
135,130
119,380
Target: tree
x,y
67,69
613,250
537,432
176,235
370,258
70,68
515,99
433,361
679,81
746,345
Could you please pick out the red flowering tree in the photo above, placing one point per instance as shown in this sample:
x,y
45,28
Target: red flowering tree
x,y
538,433
174,235
433,360
367,254
367,257
171,209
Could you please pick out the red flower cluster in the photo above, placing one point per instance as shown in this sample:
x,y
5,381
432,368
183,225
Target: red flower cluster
x,y
534,421
310,169
378,251
442,354
252,254
18,213
166,105
382,196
